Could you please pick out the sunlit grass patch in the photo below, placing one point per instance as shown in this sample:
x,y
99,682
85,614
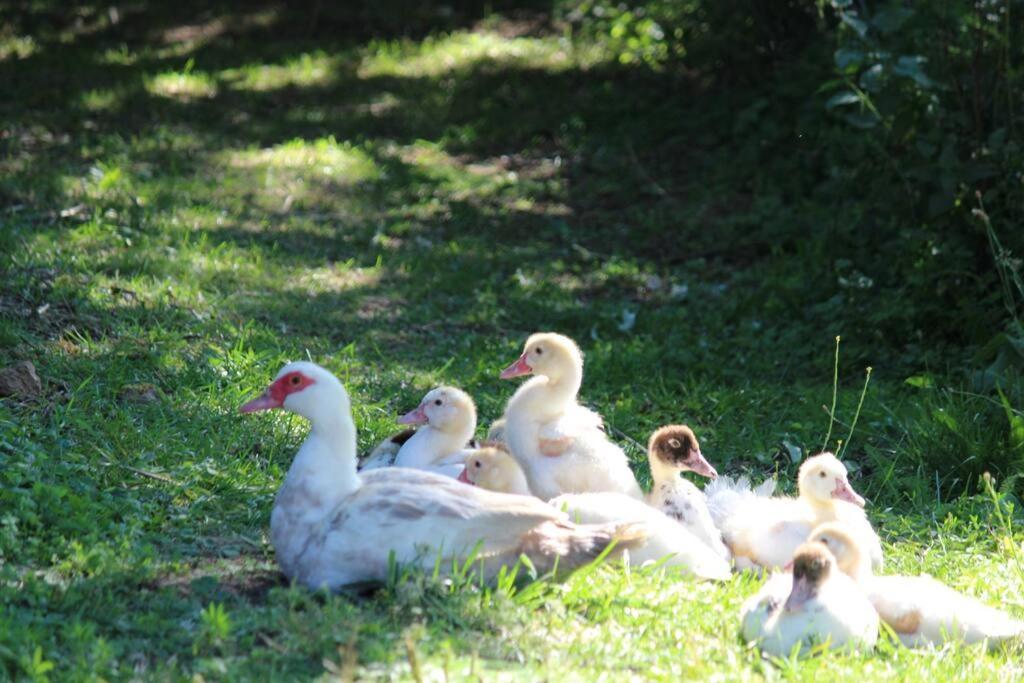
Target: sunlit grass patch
x,y
16,47
185,85
310,69
100,99
119,56
457,51
336,277
327,156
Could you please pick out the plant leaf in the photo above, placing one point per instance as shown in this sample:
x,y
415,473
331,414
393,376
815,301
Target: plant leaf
x,y
858,25
891,19
846,58
842,99
911,66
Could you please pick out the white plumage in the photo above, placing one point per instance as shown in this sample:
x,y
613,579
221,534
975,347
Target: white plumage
x,y
665,538
921,610
559,443
815,605
331,527
764,531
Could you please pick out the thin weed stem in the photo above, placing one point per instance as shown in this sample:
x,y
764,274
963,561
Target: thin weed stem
x,y
835,392
1006,523
860,404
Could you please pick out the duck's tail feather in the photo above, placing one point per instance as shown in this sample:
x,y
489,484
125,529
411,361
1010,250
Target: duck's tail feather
x,y
570,546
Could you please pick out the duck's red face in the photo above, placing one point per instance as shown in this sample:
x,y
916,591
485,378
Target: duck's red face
x,y
276,393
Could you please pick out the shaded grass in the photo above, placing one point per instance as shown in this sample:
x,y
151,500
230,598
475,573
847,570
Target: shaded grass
x,y
190,211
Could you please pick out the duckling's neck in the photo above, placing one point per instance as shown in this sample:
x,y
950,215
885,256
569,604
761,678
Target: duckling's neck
x,y
859,567
823,510
562,390
430,444
662,472
515,482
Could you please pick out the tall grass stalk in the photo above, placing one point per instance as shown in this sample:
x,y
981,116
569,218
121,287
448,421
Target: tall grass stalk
x,y
1007,543
835,392
1009,276
856,416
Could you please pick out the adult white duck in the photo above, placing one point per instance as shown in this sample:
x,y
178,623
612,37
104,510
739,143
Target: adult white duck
x,y
448,419
331,526
558,442
921,610
673,449
815,606
494,469
763,531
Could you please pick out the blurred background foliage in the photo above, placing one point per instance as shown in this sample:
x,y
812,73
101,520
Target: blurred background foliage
x,y
868,151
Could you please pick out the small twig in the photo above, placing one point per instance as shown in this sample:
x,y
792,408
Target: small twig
x,y
350,660
623,435
272,644
991,400
152,475
643,172
414,664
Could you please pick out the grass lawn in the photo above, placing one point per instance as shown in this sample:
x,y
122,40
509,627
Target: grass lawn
x,y
190,199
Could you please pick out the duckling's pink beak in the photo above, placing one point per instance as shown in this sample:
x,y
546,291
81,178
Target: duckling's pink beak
x,y
699,464
414,417
517,369
843,491
463,478
799,594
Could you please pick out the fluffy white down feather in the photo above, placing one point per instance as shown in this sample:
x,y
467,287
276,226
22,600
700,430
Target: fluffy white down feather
x,y
840,615
665,538
763,530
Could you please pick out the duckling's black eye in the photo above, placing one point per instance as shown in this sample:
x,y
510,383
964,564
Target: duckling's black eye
x,y
296,379
674,443
822,475
437,402
477,464
539,350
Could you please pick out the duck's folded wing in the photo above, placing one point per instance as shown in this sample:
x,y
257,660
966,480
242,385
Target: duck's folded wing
x,y
944,613
422,517
460,514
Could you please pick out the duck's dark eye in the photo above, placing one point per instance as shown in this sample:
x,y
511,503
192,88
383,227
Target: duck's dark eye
x,y
477,464
674,443
296,379
822,475
437,402
539,350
